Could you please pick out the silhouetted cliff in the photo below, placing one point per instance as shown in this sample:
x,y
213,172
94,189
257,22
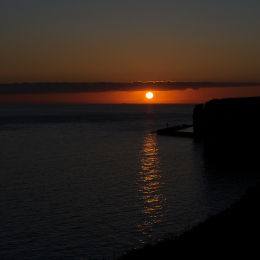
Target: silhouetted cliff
x,y
229,127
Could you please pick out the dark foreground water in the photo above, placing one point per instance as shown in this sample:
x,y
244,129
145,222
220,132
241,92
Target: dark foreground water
x,y
82,181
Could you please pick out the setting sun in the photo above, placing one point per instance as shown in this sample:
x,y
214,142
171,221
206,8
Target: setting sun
x,y
149,95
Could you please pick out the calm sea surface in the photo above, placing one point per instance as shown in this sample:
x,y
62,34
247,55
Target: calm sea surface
x,y
82,181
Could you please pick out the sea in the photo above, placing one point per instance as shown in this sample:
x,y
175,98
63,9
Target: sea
x,y
93,181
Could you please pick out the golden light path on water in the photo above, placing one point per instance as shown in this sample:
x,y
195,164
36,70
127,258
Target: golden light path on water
x,y
149,186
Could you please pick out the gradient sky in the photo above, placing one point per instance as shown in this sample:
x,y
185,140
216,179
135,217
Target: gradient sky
x,y
137,40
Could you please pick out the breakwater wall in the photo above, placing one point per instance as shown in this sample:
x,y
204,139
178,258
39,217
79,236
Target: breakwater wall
x,y
174,131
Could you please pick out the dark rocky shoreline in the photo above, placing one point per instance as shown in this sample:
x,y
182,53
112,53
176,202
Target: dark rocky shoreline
x,y
233,232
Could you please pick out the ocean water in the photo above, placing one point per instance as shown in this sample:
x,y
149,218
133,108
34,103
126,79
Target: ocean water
x,y
92,181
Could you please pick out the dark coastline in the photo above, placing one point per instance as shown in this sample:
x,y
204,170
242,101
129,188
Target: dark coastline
x,y
229,130
233,232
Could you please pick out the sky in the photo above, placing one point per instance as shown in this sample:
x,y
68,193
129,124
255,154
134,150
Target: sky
x,y
128,41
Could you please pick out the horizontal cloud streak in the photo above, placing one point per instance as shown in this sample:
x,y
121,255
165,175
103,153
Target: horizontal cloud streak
x,y
51,88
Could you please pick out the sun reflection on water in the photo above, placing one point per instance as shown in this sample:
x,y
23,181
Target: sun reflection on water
x,y
150,197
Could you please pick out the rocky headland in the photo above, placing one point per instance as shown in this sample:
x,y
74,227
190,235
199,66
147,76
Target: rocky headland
x,y
229,129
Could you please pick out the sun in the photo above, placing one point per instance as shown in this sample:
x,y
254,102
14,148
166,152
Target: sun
x,y
149,95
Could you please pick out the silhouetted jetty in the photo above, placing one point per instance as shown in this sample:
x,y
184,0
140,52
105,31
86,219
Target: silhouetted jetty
x,y
175,131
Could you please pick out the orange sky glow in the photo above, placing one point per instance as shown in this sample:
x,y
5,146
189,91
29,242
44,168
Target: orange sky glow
x,y
129,41
132,97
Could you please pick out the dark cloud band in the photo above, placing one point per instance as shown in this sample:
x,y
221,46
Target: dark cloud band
x,y
49,88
